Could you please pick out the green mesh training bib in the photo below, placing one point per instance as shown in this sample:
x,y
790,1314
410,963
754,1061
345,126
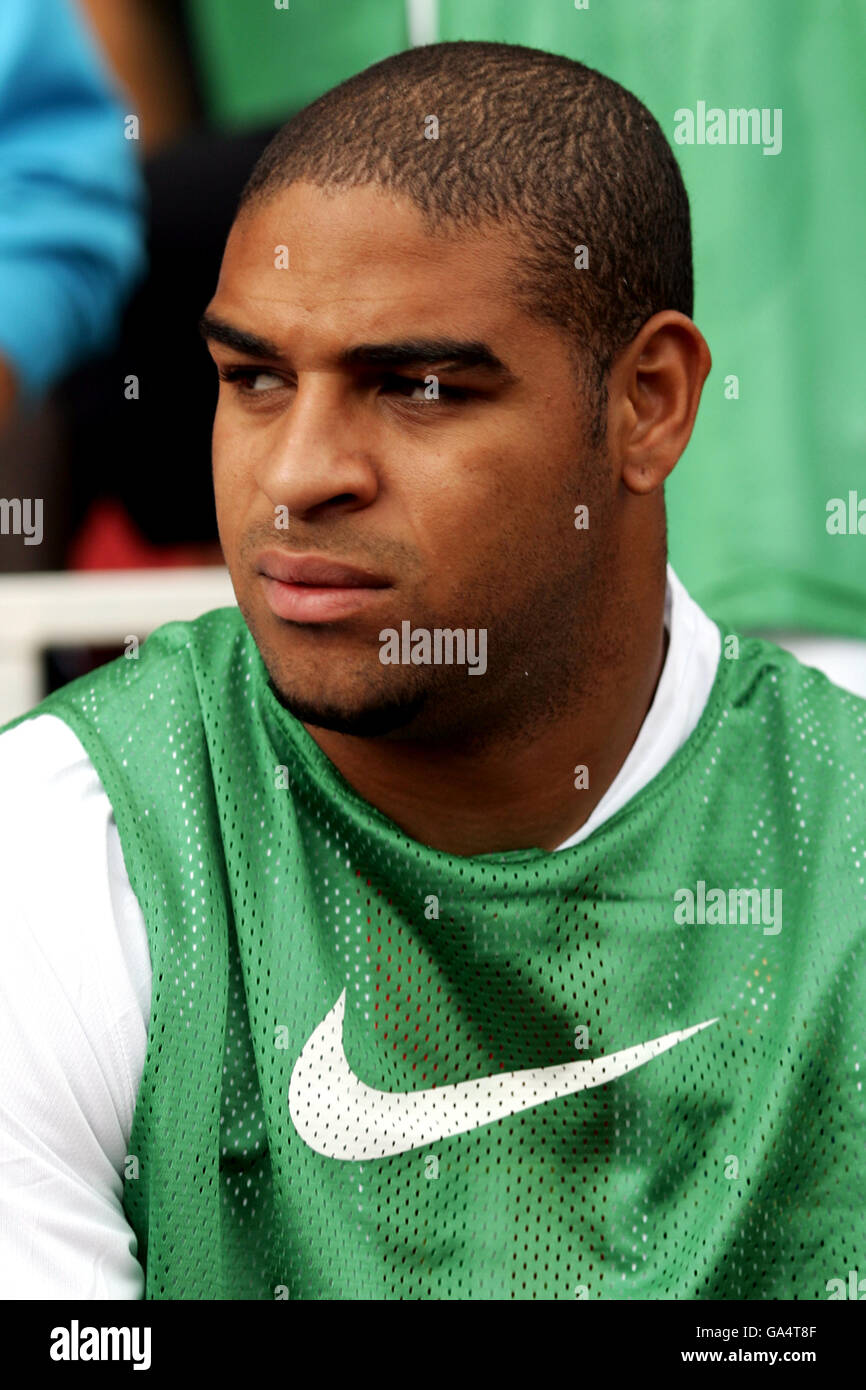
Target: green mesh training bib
x,y
631,1069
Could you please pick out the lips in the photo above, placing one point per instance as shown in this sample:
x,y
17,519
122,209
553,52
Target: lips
x,y
308,589
319,573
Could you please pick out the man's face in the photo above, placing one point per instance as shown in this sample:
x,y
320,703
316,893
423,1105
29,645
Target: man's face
x,y
461,507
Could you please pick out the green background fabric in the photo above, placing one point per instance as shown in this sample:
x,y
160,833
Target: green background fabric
x,y
780,292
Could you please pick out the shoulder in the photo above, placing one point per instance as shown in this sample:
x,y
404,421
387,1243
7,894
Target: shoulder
x,y
778,688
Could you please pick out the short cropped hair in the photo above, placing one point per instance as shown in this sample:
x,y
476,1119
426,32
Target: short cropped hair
x,y
565,156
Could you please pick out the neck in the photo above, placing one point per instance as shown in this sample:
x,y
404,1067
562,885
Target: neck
x,y
518,793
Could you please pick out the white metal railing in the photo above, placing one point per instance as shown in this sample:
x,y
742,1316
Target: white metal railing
x,y
91,608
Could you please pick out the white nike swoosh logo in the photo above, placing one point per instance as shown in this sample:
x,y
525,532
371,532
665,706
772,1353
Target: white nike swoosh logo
x,y
339,1116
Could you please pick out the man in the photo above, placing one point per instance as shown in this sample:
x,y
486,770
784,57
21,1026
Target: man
x,y
493,924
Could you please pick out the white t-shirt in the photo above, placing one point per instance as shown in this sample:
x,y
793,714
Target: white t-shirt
x,y
75,976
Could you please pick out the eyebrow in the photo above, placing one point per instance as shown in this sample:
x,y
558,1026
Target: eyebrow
x,y
217,330
448,354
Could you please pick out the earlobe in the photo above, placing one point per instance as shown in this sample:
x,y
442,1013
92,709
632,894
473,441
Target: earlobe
x,y
647,470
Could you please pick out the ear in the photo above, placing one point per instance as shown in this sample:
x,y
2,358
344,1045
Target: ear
x,y
654,391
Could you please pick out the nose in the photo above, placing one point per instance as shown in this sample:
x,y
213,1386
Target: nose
x,y
319,453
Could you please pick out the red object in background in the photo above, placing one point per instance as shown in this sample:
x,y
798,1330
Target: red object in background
x,y
109,540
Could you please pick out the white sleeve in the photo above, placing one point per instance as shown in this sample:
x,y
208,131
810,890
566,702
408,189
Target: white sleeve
x,y
75,984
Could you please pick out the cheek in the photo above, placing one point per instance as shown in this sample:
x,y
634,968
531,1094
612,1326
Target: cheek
x,y
474,524
222,495
228,488
219,451
229,459
221,436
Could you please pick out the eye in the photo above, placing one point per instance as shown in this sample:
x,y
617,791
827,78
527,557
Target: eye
x,y
250,379
414,390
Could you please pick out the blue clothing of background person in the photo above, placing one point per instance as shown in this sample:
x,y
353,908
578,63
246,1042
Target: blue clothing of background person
x,y
71,195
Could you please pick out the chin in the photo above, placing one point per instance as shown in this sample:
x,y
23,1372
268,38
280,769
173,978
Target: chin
x,y
365,721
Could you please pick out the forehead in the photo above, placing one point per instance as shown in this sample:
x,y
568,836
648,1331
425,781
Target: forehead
x,y
361,263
